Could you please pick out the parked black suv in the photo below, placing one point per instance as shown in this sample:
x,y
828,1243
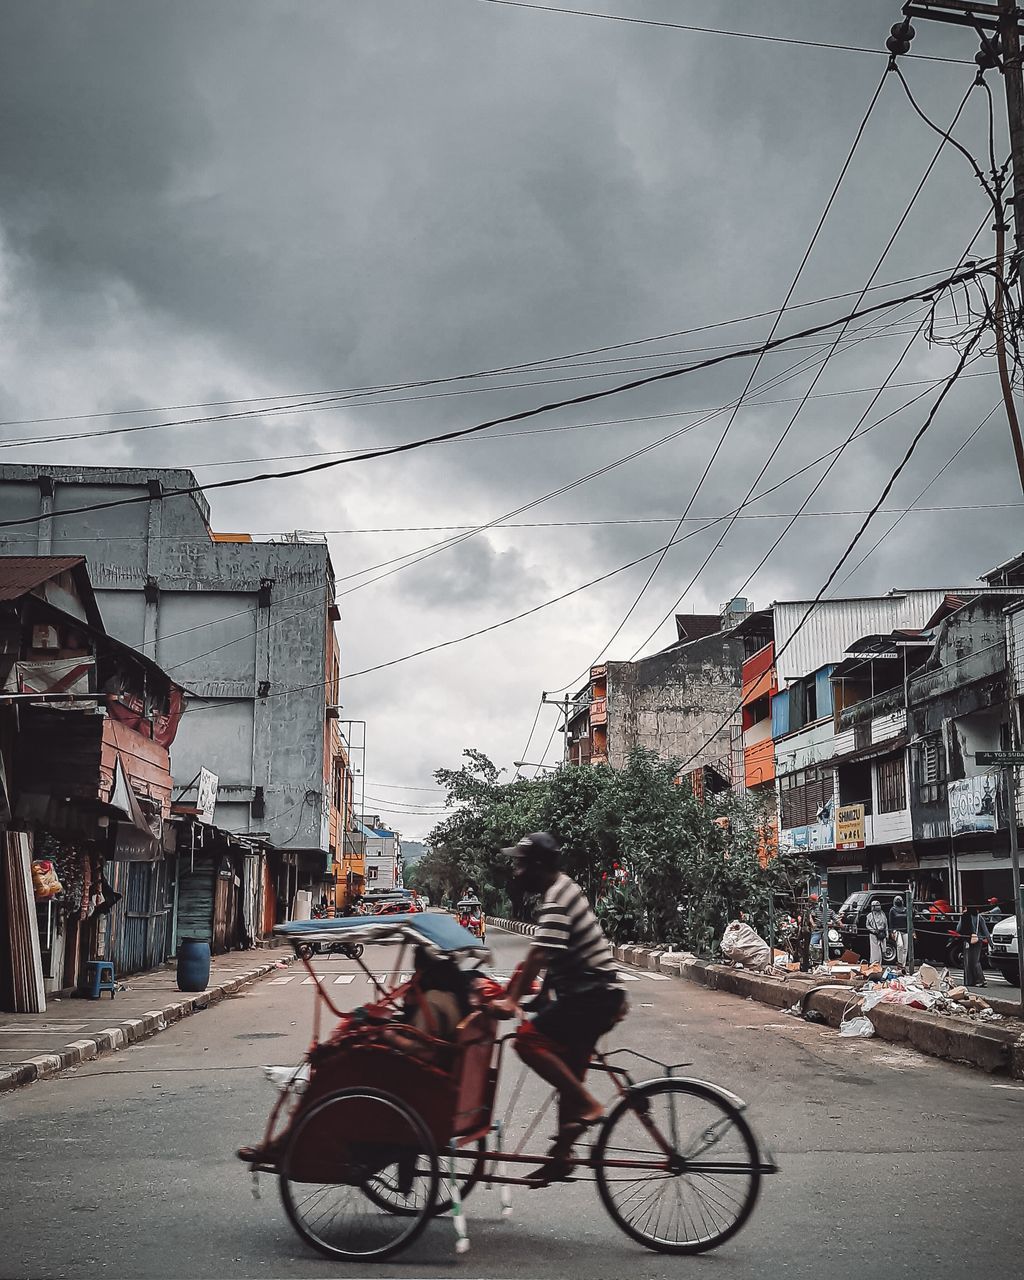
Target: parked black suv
x,y
935,937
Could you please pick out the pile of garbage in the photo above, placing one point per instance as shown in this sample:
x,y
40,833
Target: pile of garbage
x,y
931,989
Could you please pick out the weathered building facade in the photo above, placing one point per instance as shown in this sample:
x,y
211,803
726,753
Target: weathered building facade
x,y
680,703
86,726
247,627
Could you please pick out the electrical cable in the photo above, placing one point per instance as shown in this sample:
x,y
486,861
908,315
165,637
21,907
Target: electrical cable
x,y
539,364
913,505
459,433
714,31
834,462
918,436
320,684
423,553
533,729
858,136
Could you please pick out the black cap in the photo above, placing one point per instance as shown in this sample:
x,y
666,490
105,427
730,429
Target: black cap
x,y
540,846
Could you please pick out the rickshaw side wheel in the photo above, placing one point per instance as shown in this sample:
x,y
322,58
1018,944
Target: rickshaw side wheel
x,y
341,1153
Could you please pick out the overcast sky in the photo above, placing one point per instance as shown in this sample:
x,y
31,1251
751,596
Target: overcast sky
x,y
225,200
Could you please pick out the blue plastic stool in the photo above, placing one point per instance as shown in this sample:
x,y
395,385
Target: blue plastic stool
x,y
101,978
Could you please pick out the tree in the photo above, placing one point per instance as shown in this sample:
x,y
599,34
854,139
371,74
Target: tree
x,y
659,864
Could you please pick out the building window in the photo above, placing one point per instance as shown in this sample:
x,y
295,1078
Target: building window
x,y
892,785
931,764
371,873
803,795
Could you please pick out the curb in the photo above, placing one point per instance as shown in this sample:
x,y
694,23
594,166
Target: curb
x,y
512,926
130,1031
988,1047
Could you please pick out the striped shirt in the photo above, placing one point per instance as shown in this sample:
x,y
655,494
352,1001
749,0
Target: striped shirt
x,y
581,958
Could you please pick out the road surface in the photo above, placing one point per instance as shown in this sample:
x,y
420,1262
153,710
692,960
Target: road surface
x,y
893,1165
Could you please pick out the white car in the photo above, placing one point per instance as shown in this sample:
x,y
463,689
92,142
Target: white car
x,y
1003,951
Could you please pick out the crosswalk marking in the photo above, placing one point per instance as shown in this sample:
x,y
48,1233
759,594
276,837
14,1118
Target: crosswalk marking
x,y
282,981
627,977
343,979
346,979
311,982
658,977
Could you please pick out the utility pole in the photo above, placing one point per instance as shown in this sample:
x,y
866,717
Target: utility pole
x,y
563,704
998,26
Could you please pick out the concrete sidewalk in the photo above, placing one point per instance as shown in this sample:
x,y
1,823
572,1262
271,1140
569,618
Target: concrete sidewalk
x,y
36,1045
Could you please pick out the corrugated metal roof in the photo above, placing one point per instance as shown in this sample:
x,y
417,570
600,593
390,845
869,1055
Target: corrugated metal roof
x,y
21,574
836,624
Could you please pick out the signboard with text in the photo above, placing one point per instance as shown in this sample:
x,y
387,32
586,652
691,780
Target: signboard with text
x,y
206,800
850,826
972,804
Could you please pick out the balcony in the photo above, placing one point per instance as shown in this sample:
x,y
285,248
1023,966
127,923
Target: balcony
x,y
885,705
599,711
759,763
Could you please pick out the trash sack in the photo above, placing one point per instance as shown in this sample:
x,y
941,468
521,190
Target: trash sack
x,y
857,1027
741,943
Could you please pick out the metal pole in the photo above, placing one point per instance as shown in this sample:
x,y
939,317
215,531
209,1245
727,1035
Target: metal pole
x,y
1013,82
1009,781
910,927
771,927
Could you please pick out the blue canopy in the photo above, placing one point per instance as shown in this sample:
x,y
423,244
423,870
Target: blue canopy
x,y
435,932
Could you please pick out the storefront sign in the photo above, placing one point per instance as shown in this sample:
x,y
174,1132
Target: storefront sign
x,y
850,826
972,804
206,801
818,835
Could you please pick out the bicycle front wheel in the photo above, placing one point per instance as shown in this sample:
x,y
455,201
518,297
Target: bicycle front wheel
x,y
677,1166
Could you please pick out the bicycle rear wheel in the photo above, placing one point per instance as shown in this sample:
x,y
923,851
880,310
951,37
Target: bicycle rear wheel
x,y
352,1159
677,1166
384,1194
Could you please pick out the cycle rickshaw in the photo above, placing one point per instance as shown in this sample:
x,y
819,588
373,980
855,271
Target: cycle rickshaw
x,y
469,912
384,1127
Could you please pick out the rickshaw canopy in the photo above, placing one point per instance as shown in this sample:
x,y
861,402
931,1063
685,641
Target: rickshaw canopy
x,y
440,934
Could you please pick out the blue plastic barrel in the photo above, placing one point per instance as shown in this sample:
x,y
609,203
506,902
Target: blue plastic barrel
x,y
193,964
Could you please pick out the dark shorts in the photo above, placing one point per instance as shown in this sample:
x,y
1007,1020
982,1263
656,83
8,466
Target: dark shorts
x,y
576,1023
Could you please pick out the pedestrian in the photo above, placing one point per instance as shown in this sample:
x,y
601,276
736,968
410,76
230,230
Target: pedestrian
x,y
878,930
994,913
973,928
898,927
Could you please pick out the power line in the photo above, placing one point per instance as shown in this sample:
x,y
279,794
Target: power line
x,y
712,31
918,436
753,373
315,397
319,684
834,462
460,433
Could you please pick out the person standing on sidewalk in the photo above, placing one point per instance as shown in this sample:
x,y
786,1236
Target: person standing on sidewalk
x,y
898,927
877,925
973,928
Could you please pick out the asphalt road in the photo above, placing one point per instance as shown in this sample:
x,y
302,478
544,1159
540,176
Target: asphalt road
x,y
892,1165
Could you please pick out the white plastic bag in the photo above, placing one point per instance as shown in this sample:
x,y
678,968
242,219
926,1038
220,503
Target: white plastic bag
x,y
857,1027
289,1079
741,943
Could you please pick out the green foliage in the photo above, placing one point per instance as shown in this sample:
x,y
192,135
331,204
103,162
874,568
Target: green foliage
x,y
659,864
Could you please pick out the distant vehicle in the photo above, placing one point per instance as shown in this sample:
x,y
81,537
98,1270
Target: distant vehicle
x,y
424,901
1004,952
935,932
469,912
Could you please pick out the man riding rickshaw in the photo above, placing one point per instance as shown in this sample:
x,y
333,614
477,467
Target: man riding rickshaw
x,y
469,912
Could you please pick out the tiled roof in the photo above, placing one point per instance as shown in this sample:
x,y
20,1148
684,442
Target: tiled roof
x,y
21,574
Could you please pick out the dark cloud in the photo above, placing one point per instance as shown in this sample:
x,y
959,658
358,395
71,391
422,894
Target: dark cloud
x,y
205,201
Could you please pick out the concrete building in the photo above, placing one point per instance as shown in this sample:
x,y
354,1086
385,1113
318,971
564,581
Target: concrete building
x,y
673,702
247,627
383,856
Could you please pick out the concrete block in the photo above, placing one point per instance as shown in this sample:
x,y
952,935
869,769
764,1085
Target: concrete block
x,y
110,1039
13,1077
47,1064
134,1029
82,1050
1016,1059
